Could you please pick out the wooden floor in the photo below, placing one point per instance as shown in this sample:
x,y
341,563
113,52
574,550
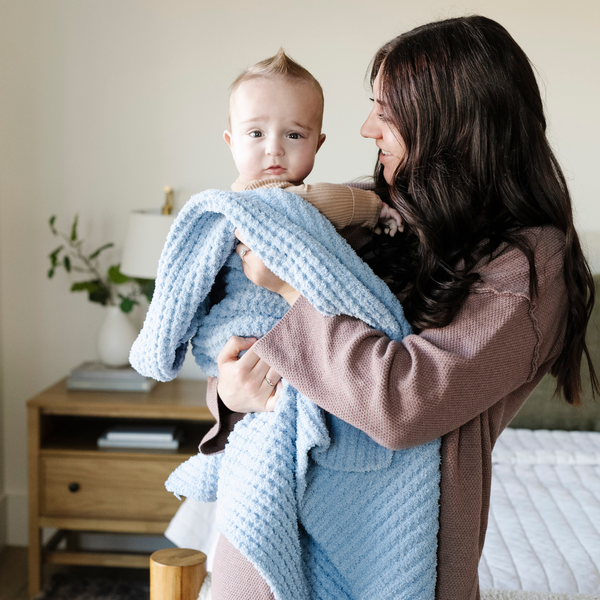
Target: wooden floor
x,y
13,573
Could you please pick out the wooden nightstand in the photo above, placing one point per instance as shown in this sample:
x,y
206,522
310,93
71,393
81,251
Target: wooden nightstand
x,y
74,486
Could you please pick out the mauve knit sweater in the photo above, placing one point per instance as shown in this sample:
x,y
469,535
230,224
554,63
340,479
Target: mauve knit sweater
x,y
464,382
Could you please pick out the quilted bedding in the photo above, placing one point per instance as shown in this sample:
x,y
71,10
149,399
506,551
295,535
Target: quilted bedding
x,y
544,524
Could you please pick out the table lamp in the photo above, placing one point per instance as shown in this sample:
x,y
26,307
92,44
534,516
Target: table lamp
x,y
146,235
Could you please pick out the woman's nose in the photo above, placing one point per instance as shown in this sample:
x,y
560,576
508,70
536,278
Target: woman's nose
x,y
369,128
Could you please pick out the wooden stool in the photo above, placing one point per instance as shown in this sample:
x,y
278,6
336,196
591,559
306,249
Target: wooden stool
x,y
176,574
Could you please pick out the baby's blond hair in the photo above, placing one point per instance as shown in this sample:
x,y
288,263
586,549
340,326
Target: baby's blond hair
x,y
280,65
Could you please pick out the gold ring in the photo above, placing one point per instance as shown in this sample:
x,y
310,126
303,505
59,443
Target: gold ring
x,y
269,382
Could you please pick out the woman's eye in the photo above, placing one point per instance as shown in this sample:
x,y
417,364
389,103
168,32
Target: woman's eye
x,y
255,134
294,136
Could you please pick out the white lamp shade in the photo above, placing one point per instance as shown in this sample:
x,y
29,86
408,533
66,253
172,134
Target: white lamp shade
x,y
146,235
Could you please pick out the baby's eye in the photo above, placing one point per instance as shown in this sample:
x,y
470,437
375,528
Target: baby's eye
x,y
294,136
255,134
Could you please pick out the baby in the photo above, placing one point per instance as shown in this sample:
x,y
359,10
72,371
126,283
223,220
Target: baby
x,y
275,116
276,112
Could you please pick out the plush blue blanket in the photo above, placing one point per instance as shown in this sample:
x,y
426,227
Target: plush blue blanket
x,y
319,508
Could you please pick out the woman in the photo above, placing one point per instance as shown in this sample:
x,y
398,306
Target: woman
x,y
489,270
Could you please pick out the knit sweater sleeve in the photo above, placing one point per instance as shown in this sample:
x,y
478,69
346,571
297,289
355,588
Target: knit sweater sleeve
x,y
216,438
343,205
405,394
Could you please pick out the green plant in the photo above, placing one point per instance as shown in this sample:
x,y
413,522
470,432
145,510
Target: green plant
x,y
102,289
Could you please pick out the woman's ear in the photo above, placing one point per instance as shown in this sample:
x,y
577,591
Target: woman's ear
x,y
228,137
320,142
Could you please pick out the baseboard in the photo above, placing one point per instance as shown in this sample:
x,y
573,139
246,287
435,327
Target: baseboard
x,y
3,520
16,519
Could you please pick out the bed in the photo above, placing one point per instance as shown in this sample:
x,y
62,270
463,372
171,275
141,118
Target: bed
x,y
544,522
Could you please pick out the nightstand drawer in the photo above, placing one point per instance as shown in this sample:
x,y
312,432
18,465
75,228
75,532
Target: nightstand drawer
x,y
104,487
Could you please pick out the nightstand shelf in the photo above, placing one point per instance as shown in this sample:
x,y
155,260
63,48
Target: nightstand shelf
x,y
74,486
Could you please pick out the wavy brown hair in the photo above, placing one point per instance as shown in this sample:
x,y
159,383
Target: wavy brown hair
x,y
478,171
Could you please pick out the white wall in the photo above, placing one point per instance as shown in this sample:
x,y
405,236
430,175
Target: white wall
x,y
103,102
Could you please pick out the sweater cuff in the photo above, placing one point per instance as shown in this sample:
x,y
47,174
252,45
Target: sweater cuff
x,y
216,438
268,347
367,207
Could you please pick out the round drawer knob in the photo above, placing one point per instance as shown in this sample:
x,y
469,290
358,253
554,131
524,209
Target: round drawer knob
x,y
73,487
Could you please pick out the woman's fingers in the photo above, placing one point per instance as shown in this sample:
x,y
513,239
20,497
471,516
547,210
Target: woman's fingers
x,y
272,400
238,234
257,272
243,385
242,248
272,378
232,348
249,365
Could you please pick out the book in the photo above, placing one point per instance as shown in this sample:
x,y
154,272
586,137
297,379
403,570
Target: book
x,y
96,376
137,449
108,385
97,370
172,444
150,433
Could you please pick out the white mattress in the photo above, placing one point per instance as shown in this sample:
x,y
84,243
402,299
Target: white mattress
x,y
544,526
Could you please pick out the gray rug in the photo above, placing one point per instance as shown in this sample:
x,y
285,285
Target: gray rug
x,y
71,587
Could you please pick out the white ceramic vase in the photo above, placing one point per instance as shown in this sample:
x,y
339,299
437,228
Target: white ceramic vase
x,y
117,335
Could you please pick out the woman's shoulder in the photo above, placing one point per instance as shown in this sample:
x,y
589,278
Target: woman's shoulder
x,y
508,271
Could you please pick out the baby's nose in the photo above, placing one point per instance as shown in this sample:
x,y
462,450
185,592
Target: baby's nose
x,y
274,148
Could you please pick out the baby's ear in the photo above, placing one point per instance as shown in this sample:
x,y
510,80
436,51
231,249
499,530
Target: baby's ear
x,y
227,137
320,142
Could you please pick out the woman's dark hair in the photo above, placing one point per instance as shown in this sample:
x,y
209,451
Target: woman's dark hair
x,y
478,171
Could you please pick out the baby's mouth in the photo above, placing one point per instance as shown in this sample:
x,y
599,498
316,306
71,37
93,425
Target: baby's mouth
x,y
275,169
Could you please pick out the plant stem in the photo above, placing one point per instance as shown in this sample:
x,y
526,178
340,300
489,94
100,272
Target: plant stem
x,y
75,251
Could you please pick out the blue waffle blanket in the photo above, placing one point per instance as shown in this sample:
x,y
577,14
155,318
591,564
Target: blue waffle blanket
x,y
319,508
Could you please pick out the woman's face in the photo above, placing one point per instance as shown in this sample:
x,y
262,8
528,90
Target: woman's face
x,y
391,146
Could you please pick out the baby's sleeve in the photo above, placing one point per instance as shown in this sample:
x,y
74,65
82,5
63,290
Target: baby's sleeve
x,y
343,205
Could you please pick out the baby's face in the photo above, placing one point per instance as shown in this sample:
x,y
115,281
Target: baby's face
x,y
275,129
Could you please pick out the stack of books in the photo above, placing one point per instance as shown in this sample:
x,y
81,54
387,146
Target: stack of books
x,y
151,437
96,376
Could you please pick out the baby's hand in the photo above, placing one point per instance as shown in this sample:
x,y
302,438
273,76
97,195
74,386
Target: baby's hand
x,y
390,221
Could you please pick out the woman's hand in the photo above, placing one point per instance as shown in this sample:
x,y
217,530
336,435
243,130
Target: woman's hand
x,y
246,384
257,273
390,221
